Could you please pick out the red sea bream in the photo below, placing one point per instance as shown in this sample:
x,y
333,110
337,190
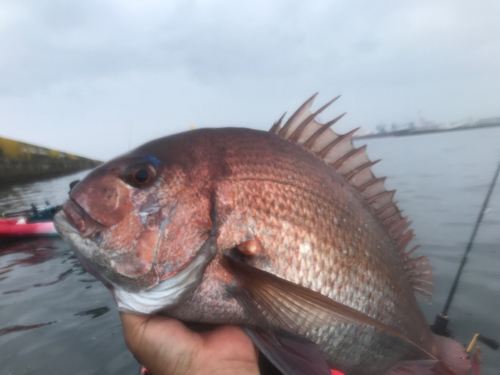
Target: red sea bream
x,y
286,233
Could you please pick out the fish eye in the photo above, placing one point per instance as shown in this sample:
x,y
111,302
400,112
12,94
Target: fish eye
x,y
139,175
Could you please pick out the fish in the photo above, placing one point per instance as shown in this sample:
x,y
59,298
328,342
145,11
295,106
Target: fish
x,y
286,233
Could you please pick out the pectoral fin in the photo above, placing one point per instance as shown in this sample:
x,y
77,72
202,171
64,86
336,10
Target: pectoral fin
x,y
291,354
273,301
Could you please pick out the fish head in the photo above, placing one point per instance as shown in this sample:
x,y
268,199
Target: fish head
x,y
139,219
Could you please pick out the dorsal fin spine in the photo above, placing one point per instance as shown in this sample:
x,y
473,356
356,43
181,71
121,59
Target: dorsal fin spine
x,y
381,195
398,229
404,240
289,123
349,155
297,132
310,142
355,167
395,216
410,252
334,143
276,127
361,168
389,205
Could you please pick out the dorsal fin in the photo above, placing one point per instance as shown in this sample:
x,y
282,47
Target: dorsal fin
x,y
354,164
277,124
298,131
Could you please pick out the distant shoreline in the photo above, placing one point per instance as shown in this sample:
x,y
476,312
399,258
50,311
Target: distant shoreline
x,y
23,162
406,132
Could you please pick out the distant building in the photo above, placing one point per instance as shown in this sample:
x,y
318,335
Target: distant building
x,y
381,128
427,125
458,124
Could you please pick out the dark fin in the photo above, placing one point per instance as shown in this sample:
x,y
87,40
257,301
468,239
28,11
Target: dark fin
x,y
353,163
266,367
452,357
273,301
425,367
291,354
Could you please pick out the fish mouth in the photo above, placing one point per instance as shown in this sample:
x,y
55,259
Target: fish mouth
x,y
68,231
100,262
79,219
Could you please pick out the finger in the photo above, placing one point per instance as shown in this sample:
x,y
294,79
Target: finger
x,y
229,350
241,346
163,345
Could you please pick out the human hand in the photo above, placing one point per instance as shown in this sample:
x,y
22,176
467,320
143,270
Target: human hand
x,y
167,347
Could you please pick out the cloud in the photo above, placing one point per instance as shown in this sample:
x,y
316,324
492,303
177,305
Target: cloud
x,y
92,77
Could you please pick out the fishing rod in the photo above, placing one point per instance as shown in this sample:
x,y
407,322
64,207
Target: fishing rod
x,y
16,213
441,323
33,212
27,212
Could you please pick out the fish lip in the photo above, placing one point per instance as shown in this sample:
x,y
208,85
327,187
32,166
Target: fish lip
x,y
96,260
64,226
85,224
62,223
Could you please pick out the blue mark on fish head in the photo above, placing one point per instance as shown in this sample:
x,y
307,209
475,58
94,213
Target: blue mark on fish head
x,y
152,159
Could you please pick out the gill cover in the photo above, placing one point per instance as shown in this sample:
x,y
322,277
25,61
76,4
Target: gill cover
x,y
139,220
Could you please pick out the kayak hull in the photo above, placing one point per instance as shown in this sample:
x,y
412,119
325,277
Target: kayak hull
x,y
20,228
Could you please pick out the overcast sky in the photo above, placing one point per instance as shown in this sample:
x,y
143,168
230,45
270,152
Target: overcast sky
x,y
96,78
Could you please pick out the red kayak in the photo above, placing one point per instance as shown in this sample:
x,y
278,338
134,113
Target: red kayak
x,y
21,228
144,371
